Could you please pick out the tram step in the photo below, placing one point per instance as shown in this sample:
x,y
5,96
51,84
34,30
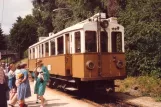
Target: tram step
x,y
71,89
71,81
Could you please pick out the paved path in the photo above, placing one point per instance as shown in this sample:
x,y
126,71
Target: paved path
x,y
56,99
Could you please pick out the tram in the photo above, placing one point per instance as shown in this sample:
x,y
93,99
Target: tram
x,y
86,56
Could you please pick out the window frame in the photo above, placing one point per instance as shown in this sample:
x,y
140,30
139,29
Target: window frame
x,y
46,43
54,47
95,40
79,41
115,41
107,42
58,45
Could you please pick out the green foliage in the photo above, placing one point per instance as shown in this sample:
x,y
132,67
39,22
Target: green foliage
x,y
43,14
75,11
146,86
25,54
142,22
23,34
2,40
113,7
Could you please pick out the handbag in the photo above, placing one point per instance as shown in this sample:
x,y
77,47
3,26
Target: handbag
x,y
41,80
41,77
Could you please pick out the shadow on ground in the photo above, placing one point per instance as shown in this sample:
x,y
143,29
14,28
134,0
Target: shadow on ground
x,y
54,103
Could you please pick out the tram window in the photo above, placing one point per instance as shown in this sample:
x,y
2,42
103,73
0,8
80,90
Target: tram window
x,y
52,47
104,41
42,50
37,48
60,45
33,53
90,41
116,42
47,49
77,42
67,43
39,51
30,53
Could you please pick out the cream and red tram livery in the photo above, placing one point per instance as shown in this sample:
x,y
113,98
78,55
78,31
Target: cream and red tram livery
x,y
87,54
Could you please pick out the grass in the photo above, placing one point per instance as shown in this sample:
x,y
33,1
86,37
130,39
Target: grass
x,y
145,85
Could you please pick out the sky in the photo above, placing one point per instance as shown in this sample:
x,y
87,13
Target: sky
x,y
12,9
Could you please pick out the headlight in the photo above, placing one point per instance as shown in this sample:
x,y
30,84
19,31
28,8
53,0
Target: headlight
x,y
90,65
120,64
104,24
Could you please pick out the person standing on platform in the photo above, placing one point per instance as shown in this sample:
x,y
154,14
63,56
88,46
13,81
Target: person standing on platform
x,y
11,77
13,97
23,89
3,88
41,81
5,69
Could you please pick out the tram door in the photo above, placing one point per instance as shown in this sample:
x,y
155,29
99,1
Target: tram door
x,y
67,43
105,56
68,57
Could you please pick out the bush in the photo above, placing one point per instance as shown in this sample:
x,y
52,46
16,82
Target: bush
x,y
146,85
25,55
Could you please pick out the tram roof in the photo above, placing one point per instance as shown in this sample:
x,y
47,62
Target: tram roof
x,y
77,26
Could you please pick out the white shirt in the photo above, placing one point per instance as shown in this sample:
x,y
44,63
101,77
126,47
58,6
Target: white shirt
x,y
11,74
17,72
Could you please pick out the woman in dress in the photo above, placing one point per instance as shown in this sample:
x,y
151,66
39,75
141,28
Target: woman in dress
x,y
41,81
23,89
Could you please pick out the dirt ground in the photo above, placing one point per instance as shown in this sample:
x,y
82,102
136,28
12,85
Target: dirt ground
x,y
139,101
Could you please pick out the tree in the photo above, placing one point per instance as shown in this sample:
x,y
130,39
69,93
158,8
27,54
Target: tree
x,y
76,11
113,7
2,40
43,14
141,19
23,34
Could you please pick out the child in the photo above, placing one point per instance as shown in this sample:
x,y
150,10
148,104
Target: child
x,y
13,97
13,94
19,79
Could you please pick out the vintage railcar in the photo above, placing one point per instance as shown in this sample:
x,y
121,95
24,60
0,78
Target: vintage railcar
x,y
87,55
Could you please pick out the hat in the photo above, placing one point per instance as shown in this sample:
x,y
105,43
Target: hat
x,y
39,61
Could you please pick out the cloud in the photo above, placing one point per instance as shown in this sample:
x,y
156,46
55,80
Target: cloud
x,y
13,9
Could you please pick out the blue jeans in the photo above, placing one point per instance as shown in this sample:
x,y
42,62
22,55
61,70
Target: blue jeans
x,y
10,84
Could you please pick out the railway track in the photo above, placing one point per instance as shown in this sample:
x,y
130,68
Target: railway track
x,y
98,99
106,100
